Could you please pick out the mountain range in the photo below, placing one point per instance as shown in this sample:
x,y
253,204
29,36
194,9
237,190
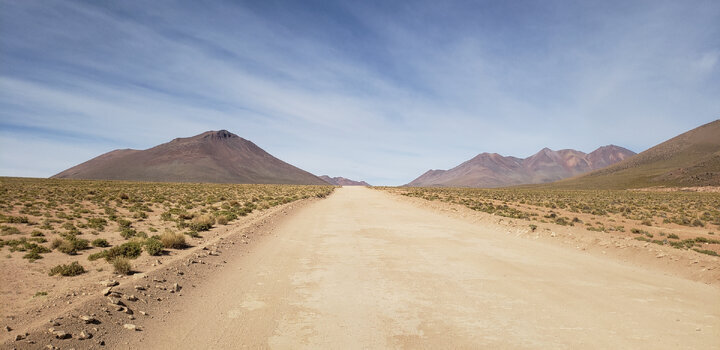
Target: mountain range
x,y
494,170
341,181
689,159
213,156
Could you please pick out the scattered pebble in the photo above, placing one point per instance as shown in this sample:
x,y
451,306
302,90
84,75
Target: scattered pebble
x,y
84,335
109,283
88,319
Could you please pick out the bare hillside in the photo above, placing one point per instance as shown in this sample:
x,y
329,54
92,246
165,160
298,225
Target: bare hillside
x,y
213,156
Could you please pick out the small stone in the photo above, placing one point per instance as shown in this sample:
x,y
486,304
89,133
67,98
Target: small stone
x,y
143,313
130,326
131,297
84,335
698,329
139,288
88,319
61,335
8,329
109,283
552,234
19,337
51,347
106,291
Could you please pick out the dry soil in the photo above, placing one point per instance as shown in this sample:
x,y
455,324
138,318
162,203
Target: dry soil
x,y
366,269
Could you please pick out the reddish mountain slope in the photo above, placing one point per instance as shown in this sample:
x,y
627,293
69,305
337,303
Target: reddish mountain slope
x,y
689,159
341,181
213,156
494,170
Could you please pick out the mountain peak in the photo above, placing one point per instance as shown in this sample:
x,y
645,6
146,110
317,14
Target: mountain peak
x,y
494,170
220,134
341,181
213,156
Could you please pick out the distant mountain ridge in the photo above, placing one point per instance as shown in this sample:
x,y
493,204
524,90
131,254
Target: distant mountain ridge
x,y
494,170
689,159
213,156
341,181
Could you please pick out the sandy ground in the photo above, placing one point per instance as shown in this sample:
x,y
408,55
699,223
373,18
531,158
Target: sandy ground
x,y
368,269
365,270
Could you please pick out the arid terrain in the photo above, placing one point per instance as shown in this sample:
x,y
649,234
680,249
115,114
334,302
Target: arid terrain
x,y
382,270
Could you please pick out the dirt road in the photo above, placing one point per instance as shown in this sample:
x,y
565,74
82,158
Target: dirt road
x,y
363,269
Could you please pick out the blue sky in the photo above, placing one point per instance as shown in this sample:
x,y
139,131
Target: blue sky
x,y
374,90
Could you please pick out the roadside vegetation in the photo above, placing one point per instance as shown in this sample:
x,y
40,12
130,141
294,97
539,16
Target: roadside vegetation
x,y
119,221
683,220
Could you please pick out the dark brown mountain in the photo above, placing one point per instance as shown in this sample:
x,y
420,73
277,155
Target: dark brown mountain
x,y
494,170
213,156
689,159
341,181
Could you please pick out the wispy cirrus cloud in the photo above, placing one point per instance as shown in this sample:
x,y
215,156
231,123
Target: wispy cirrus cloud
x,y
366,90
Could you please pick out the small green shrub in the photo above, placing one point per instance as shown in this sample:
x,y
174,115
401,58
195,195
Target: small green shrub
x,y
122,266
15,219
101,243
153,246
97,223
72,245
128,233
706,251
95,256
130,250
73,269
9,230
202,223
173,240
122,223
32,256
56,243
